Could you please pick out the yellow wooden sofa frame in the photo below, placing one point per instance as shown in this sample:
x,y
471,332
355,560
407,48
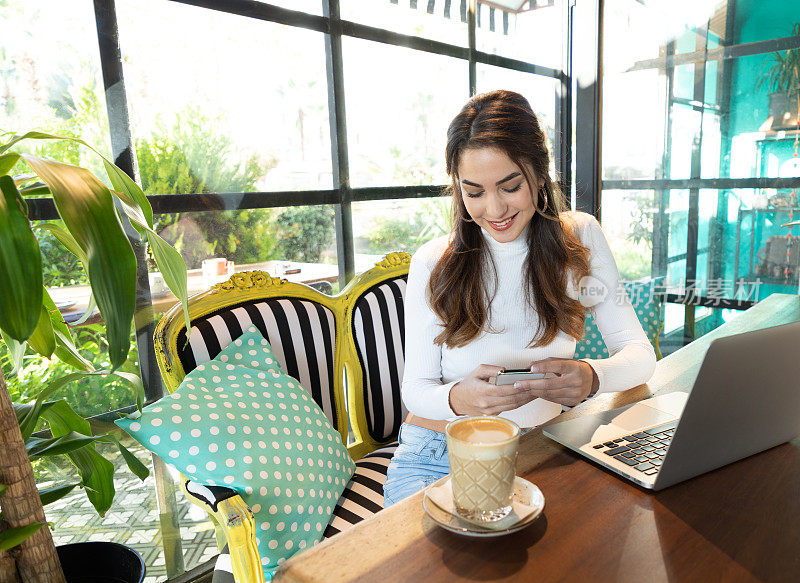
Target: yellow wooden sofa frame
x,y
233,516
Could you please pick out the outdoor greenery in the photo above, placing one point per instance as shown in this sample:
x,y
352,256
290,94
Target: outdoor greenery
x,y
88,396
305,232
403,232
190,157
60,267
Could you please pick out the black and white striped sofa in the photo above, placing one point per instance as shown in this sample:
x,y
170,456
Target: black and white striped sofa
x,y
353,341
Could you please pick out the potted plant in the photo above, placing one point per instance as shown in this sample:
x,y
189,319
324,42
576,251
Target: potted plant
x,y
782,78
93,216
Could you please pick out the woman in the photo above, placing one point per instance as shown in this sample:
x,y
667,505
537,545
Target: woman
x,y
508,288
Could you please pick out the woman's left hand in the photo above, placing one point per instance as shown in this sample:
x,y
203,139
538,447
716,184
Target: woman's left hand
x,y
575,381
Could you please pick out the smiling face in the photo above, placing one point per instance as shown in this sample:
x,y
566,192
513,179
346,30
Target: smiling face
x,y
495,193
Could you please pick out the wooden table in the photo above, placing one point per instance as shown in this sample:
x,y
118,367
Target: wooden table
x,y
737,523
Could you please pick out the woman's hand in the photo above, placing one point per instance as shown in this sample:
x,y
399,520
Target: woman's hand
x,y
475,395
576,380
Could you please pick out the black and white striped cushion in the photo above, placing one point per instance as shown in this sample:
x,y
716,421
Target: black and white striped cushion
x,y
379,333
223,571
363,495
302,335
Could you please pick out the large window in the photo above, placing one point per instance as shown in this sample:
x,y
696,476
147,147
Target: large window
x,y
269,135
699,154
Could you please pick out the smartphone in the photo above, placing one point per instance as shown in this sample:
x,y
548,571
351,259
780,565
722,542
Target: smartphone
x,y
510,376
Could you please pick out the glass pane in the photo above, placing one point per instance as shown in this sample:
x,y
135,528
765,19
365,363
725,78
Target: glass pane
x,y
674,317
88,396
750,120
399,104
636,32
765,254
633,124
676,220
710,151
711,319
539,91
384,226
683,82
444,21
760,135
240,105
765,20
744,252
50,78
627,218
295,243
533,34
685,134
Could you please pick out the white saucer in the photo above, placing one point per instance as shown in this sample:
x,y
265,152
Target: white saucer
x,y
525,493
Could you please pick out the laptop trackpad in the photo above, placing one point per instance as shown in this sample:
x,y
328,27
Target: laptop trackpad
x,y
640,416
648,413
652,411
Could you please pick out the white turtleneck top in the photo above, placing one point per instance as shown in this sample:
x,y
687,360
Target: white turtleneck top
x,y
431,370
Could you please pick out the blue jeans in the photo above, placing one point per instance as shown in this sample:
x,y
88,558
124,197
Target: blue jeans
x,y
419,460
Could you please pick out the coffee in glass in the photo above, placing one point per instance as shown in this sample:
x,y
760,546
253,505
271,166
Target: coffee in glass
x,y
483,455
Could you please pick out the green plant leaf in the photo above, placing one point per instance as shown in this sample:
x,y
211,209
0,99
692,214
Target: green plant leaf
x,y
173,268
68,353
138,468
119,179
87,208
62,419
53,493
28,424
20,266
34,189
39,447
43,339
136,382
7,162
3,488
66,239
169,260
20,410
31,136
11,537
97,473
123,183
15,349
132,197
88,312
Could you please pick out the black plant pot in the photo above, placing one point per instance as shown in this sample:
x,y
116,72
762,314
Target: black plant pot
x,y
101,562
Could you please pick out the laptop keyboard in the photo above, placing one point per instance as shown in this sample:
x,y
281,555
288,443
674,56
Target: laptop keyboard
x,y
644,450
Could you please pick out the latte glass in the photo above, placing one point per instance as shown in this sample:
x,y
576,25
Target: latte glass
x,y
483,457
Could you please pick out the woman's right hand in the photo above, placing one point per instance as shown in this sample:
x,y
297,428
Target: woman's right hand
x,y
475,395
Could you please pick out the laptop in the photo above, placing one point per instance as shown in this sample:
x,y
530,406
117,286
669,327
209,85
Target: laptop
x,y
745,399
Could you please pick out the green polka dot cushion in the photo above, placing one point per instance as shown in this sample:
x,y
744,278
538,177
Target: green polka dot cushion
x,y
648,310
239,421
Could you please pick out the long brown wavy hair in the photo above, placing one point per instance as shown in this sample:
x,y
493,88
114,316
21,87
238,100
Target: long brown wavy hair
x,y
458,291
